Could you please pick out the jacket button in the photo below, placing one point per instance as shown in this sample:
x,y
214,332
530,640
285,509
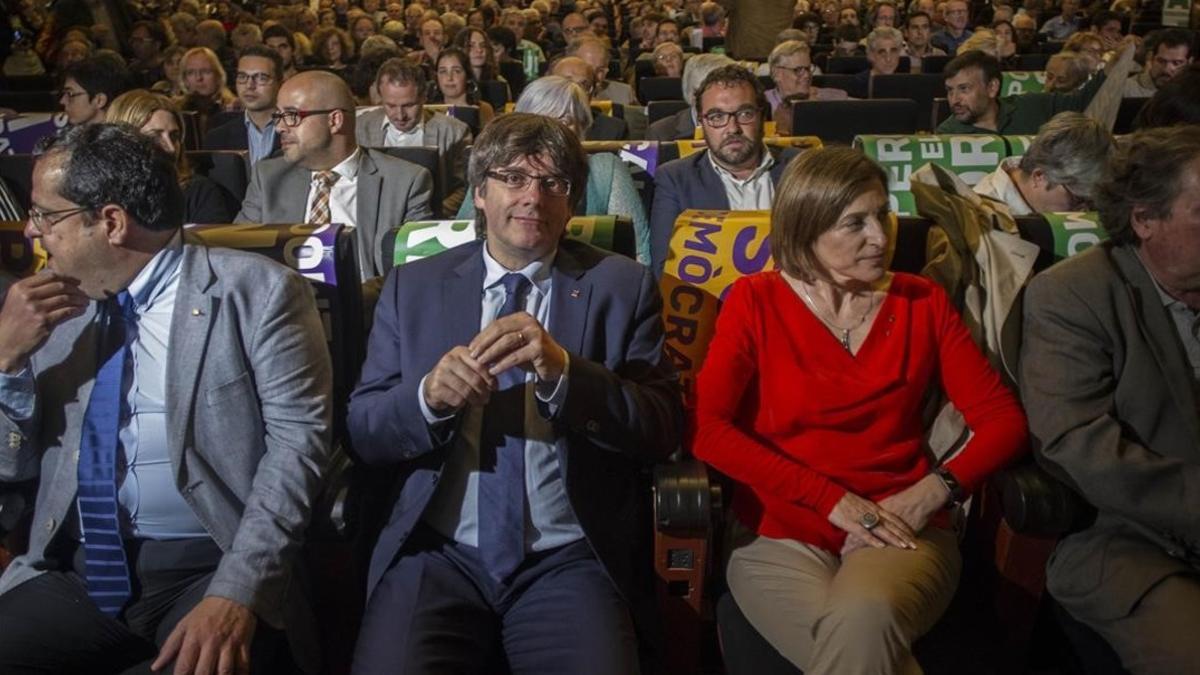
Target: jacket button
x,y
49,524
14,440
592,425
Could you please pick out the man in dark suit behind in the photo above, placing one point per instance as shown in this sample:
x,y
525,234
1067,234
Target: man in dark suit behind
x,y
519,384
1110,367
736,171
259,75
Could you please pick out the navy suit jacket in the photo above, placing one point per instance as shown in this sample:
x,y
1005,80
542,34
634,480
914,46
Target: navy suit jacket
x,y
622,412
689,183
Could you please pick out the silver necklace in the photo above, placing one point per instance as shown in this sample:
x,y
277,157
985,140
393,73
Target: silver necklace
x,y
845,332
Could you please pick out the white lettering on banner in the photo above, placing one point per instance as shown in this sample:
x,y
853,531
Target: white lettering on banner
x,y
629,157
892,150
1080,241
445,232
304,253
969,151
900,177
931,150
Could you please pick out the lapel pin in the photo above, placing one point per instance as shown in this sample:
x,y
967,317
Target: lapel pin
x,y
196,312
575,293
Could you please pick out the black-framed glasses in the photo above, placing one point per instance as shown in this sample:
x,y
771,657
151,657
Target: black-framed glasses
x,y
519,180
293,118
715,119
41,219
259,79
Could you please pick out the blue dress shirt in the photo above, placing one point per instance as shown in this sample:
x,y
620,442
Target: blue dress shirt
x,y
550,521
260,143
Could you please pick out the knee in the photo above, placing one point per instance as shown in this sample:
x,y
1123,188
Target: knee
x,y
865,615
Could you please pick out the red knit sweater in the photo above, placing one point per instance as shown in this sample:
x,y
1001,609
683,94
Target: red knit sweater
x,y
796,420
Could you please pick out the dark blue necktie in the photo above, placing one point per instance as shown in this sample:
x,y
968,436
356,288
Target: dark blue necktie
x,y
502,459
107,570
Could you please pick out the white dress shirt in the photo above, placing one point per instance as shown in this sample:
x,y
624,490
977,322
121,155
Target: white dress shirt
x,y
394,138
343,197
755,192
550,521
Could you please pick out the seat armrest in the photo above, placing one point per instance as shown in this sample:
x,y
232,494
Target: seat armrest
x,y
684,496
335,514
1038,504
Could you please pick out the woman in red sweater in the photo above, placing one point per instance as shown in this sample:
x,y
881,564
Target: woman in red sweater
x,y
810,398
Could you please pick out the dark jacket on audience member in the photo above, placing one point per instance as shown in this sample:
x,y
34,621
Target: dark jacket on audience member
x,y
608,128
690,183
206,202
232,136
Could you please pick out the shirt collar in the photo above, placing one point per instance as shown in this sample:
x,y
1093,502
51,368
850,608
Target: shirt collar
x,y
251,126
768,161
156,275
538,271
348,168
419,129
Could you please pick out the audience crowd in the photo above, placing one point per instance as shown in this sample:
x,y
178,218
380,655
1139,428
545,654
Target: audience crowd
x,y
173,403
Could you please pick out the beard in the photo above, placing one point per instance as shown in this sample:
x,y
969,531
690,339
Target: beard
x,y
732,153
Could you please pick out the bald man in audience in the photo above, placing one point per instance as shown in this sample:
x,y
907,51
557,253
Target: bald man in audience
x,y
324,177
604,127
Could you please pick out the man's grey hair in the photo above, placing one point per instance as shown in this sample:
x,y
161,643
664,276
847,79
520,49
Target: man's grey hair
x,y
787,49
697,68
1146,174
557,98
250,30
791,34
1072,150
884,33
578,43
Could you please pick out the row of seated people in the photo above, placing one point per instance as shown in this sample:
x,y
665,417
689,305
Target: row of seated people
x,y
520,435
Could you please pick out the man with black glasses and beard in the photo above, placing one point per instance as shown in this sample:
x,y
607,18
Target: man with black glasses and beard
x,y
736,171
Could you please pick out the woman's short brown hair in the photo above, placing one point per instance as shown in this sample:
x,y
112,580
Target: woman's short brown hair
x,y
814,191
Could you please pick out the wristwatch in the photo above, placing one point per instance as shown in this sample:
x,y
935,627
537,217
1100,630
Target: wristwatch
x,y
957,496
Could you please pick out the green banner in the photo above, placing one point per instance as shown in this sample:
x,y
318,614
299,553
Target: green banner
x,y
1075,232
971,157
1016,82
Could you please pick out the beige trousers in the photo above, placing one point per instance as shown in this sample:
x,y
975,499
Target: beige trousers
x,y
853,616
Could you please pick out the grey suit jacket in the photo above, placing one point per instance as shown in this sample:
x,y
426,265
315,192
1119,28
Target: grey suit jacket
x,y
248,426
391,192
449,135
1106,385
677,127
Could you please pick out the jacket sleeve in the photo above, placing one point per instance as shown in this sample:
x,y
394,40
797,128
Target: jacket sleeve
x,y
418,199
1068,384
729,369
636,408
385,421
252,203
19,455
294,380
666,208
991,411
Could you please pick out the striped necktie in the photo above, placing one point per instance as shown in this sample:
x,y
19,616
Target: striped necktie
x,y
323,182
501,493
107,570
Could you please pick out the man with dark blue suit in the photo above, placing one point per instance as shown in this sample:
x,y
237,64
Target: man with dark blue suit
x,y
519,385
736,171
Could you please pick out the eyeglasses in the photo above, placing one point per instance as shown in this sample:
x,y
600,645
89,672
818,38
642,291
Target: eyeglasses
x,y
576,30
518,181
716,119
41,219
293,118
259,79
796,70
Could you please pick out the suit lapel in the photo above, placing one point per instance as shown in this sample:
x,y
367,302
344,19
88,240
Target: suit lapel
x,y
569,301
196,306
1160,334
712,190
464,281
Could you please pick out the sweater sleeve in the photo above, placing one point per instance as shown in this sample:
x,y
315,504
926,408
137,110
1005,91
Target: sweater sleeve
x,y
623,200
998,426
730,368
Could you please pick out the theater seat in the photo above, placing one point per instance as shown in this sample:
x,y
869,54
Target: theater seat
x,y
659,89
657,110
17,172
429,157
467,114
228,168
841,121
642,158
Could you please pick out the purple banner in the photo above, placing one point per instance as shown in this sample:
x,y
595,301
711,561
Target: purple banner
x,y
18,135
644,155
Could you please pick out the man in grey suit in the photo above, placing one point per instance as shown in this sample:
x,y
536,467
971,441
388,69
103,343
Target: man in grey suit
x,y
402,120
324,177
174,402
1110,370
